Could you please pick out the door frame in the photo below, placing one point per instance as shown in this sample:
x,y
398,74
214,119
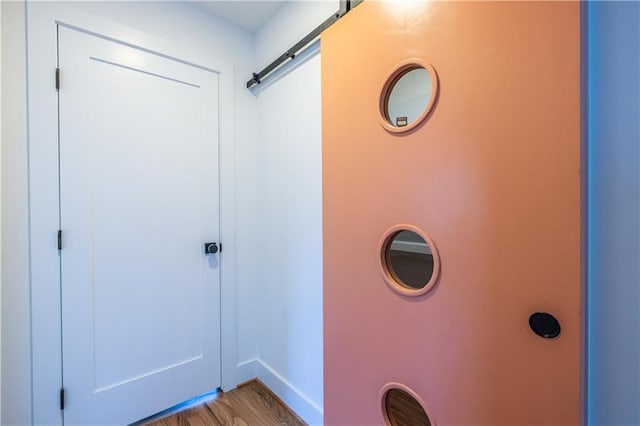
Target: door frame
x,y
42,107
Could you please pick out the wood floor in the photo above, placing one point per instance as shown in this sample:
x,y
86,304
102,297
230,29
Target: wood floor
x,y
251,404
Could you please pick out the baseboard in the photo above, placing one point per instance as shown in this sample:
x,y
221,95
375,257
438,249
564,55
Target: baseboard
x,y
304,407
246,371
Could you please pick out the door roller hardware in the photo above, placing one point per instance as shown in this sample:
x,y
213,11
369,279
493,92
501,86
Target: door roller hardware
x,y
212,248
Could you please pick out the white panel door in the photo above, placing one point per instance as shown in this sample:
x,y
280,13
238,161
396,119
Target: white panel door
x,y
138,200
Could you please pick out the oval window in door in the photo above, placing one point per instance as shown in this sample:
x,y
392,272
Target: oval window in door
x,y
409,259
408,95
401,406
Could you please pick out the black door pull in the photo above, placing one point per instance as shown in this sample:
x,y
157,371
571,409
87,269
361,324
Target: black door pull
x,y
544,325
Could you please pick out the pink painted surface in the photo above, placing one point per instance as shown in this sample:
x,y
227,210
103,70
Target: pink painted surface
x,y
492,175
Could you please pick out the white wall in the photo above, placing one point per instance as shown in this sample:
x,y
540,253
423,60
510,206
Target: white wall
x,y
289,217
16,372
613,377
293,21
290,236
180,24
0,211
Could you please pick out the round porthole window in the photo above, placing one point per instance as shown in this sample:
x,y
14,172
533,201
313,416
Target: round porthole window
x,y
401,407
408,95
409,259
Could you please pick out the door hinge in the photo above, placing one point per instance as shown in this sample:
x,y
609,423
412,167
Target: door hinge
x,y
57,78
59,239
62,398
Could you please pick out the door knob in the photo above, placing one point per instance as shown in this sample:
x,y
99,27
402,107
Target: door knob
x,y
210,248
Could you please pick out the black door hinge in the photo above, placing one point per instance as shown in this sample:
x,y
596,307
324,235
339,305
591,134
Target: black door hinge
x,y
62,398
59,239
57,78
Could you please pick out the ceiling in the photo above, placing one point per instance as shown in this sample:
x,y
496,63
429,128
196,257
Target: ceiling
x,y
247,14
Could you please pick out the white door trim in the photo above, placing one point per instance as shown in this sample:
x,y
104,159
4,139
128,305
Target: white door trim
x,y
45,313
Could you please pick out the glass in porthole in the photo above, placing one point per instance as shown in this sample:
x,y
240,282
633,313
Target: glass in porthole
x,y
410,259
408,97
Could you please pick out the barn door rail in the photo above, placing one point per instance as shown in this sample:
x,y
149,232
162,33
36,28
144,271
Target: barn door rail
x,y
345,7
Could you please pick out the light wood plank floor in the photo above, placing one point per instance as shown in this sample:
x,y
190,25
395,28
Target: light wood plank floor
x,y
251,404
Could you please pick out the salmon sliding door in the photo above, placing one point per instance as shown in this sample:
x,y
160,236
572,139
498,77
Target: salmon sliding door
x,y
483,186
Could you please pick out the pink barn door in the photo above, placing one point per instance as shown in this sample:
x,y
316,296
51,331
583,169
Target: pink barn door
x,y
483,182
